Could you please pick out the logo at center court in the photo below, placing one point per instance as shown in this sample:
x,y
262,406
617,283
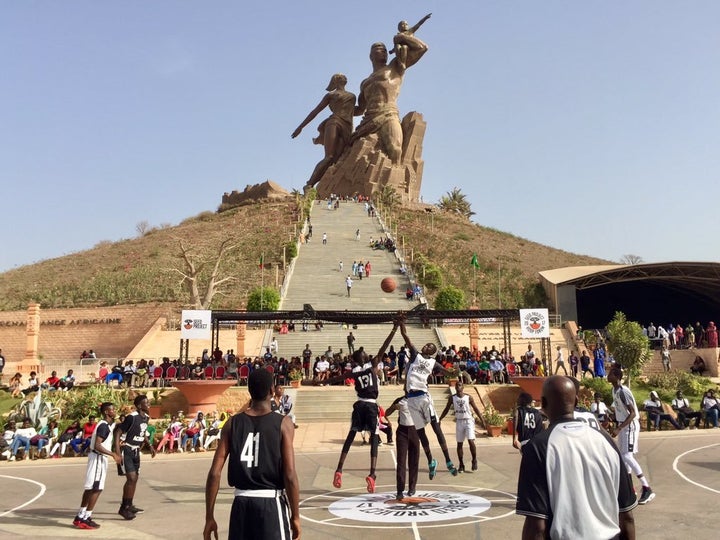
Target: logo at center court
x,y
424,506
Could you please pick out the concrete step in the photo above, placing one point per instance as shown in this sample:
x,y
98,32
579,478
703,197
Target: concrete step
x,y
335,403
370,337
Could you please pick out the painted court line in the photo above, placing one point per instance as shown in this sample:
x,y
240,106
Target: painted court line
x,y
43,488
681,475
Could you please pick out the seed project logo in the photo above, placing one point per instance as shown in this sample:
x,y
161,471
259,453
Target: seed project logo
x,y
194,323
424,506
535,323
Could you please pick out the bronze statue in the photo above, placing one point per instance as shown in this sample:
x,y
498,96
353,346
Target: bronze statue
x,y
379,92
404,37
333,132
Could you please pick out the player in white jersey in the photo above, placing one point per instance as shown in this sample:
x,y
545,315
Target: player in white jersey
x,y
463,405
100,449
420,402
628,430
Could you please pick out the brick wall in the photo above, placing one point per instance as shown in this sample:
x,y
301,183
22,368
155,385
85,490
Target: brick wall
x,y
65,333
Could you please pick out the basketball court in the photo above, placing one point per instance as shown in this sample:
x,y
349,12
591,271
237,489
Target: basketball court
x,y
39,498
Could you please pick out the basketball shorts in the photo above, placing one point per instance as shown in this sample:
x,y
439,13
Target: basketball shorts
x,y
96,471
365,417
465,430
422,410
130,460
260,517
627,439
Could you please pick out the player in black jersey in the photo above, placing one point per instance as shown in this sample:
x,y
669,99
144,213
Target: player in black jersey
x,y
365,411
261,469
130,436
528,421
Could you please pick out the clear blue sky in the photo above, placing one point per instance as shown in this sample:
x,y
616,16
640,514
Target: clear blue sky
x,y
592,127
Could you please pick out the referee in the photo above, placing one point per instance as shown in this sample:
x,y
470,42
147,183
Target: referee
x,y
573,482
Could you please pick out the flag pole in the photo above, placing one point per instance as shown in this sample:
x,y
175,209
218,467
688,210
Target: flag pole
x,y
262,279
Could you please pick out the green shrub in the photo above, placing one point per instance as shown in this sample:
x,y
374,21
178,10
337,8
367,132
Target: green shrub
x,y
450,298
599,385
291,250
263,299
668,383
82,402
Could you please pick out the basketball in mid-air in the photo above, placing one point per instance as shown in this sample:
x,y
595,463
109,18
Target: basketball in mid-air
x,y
388,284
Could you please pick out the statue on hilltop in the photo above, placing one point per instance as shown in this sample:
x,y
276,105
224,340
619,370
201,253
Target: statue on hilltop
x,y
382,151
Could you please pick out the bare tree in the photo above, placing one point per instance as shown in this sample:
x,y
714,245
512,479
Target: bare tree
x,y
201,272
142,227
631,259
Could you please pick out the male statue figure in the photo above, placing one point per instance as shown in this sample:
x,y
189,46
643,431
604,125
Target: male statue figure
x,y
379,93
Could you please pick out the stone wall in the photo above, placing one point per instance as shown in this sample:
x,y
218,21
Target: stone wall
x,y
64,333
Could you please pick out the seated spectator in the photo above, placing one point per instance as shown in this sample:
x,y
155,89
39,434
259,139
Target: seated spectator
x,y
72,431
291,326
47,433
601,411
68,381
409,293
22,438
322,369
656,414
52,383
198,371
8,437
215,430
194,431
115,374
33,384
141,374
172,433
81,444
15,384
711,407
698,366
129,374
282,403
682,407
498,370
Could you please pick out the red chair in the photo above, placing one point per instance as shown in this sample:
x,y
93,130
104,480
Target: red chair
x,y
220,372
511,370
244,373
157,374
184,373
170,376
209,372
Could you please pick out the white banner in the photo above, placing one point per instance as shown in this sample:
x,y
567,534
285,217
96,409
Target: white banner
x,y
535,323
196,324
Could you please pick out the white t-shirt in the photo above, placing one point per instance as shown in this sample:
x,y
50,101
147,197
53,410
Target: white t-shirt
x,y
323,366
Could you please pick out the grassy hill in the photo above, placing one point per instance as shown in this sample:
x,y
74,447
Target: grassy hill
x,y
145,269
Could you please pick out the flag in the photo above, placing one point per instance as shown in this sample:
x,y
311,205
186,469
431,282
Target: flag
x,y
262,261
474,262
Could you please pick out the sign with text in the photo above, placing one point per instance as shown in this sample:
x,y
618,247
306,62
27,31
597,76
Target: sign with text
x,y
196,324
535,323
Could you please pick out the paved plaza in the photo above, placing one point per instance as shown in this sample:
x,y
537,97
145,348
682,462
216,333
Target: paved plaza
x,y
40,497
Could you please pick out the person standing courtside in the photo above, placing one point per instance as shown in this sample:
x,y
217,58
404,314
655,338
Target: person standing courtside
x,y
96,473
408,448
130,437
261,469
572,481
527,422
628,430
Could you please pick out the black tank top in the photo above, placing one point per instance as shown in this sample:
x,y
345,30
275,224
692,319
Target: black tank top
x,y
255,452
529,423
366,384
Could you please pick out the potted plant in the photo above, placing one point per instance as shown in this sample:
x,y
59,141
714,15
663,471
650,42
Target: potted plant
x,y
494,421
451,375
295,377
154,404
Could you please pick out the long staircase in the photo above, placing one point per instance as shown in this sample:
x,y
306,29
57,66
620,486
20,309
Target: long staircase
x,y
317,279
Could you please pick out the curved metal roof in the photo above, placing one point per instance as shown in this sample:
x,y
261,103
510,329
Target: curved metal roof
x,y
703,277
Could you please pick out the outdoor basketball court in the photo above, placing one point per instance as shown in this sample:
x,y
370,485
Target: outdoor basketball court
x,y
39,498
